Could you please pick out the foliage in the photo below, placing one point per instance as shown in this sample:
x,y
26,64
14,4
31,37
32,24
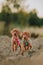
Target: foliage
x,y
21,18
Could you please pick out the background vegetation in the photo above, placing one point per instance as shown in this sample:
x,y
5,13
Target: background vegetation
x,y
9,20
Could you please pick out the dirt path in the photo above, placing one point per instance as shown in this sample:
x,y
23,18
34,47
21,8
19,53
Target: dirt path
x,y
34,57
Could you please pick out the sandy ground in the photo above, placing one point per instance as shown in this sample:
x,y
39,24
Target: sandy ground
x,y
32,57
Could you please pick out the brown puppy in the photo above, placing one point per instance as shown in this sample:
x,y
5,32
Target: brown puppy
x,y
26,42
15,39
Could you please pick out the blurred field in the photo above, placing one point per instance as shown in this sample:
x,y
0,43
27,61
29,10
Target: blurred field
x,y
2,27
36,30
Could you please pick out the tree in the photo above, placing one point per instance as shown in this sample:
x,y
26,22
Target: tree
x,y
34,19
6,12
6,17
16,3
